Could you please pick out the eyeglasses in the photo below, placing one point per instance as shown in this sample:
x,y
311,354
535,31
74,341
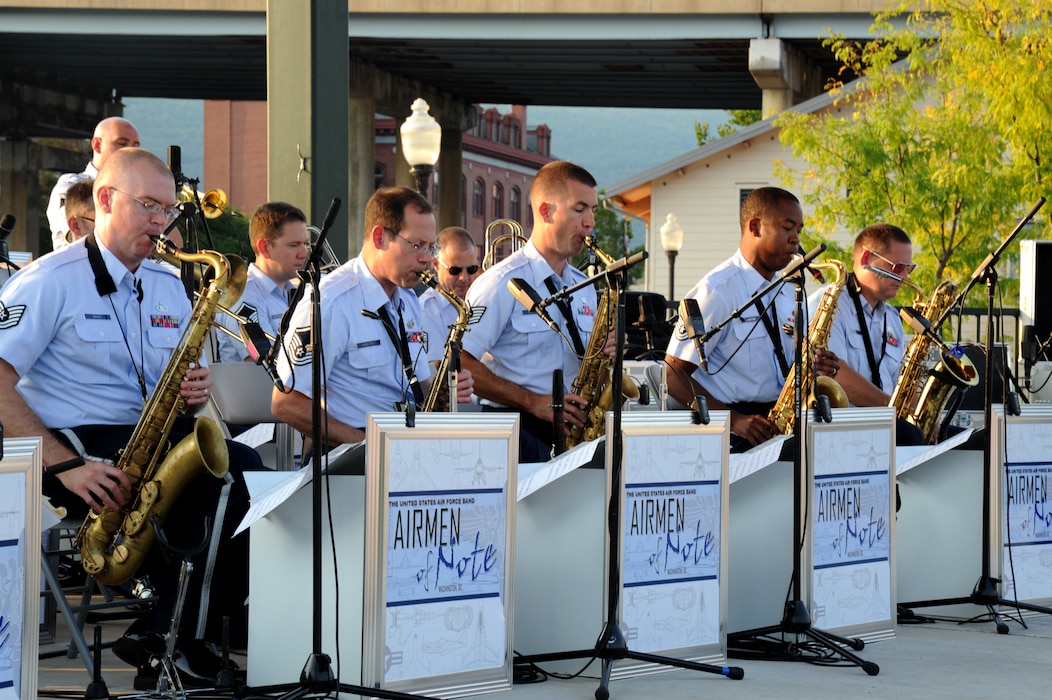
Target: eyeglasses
x,y
419,248
86,218
455,271
899,268
170,213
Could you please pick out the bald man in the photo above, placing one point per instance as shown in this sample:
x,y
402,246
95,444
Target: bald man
x,y
111,134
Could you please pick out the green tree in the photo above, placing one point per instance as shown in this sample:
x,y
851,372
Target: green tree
x,y
739,118
930,142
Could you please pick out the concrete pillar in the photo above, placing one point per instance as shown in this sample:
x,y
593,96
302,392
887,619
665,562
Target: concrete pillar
x,y
19,189
361,167
307,110
786,77
451,163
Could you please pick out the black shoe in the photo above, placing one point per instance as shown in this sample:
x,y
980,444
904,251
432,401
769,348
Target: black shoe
x,y
138,645
197,661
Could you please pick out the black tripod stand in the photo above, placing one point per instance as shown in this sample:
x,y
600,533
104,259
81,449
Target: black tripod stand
x,y
796,619
611,645
986,592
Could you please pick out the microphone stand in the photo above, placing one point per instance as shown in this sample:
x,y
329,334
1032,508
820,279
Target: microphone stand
x,y
986,592
795,617
611,645
317,676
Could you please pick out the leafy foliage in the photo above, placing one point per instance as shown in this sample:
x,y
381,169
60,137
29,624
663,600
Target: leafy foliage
x,y
613,235
739,118
945,132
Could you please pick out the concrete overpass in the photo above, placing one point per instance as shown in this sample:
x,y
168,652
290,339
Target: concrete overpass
x,y
64,64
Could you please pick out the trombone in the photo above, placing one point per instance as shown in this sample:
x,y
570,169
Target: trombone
x,y
516,237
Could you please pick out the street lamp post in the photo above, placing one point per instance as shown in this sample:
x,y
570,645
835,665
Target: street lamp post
x,y
421,141
671,241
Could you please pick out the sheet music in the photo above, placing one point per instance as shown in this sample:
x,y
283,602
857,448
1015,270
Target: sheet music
x,y
268,490
534,476
257,435
910,456
755,459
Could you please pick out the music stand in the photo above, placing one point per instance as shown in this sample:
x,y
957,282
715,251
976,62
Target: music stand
x,y
611,645
795,618
317,677
986,592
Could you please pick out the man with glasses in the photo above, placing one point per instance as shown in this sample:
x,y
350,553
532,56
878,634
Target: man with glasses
x,y
88,332
867,332
456,267
372,336
111,134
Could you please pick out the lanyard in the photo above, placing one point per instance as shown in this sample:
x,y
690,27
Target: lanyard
x,y
401,343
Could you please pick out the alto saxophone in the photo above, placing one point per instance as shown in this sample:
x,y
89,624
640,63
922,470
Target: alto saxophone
x,y
593,380
783,413
920,395
438,398
114,543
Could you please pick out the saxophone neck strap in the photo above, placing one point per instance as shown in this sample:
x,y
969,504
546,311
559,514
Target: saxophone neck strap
x,y
567,312
772,331
863,329
103,282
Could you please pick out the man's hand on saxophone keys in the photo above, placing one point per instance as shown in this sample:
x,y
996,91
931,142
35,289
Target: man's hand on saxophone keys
x,y
755,429
465,386
196,387
98,484
827,364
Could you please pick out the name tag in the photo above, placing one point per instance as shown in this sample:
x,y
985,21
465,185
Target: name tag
x,y
367,344
97,317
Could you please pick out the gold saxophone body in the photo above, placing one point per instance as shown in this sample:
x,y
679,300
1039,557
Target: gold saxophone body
x,y
114,543
593,380
783,413
438,398
920,395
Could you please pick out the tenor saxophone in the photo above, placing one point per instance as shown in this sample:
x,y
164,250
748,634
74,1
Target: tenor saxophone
x,y
593,380
438,398
920,395
114,543
783,414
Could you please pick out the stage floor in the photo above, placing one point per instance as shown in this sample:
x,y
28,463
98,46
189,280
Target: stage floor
x,y
930,660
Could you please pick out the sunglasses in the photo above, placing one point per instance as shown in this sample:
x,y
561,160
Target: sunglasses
x,y
457,269
899,268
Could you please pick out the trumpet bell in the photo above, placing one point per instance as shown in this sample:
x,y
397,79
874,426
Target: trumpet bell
x,y
213,204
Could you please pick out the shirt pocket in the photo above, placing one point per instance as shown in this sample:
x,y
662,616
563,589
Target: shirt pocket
x,y
533,329
373,359
103,344
756,348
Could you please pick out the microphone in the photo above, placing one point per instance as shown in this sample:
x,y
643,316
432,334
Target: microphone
x,y
694,325
1028,349
175,164
625,263
528,297
558,407
816,274
7,225
258,347
886,274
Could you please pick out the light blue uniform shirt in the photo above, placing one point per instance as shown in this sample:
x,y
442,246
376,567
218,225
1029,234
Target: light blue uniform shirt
x,y
263,302
439,315
753,374
885,334
516,344
362,371
77,365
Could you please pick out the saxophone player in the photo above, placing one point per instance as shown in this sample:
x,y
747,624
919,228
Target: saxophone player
x,y
85,334
867,333
510,351
456,266
748,360
372,331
